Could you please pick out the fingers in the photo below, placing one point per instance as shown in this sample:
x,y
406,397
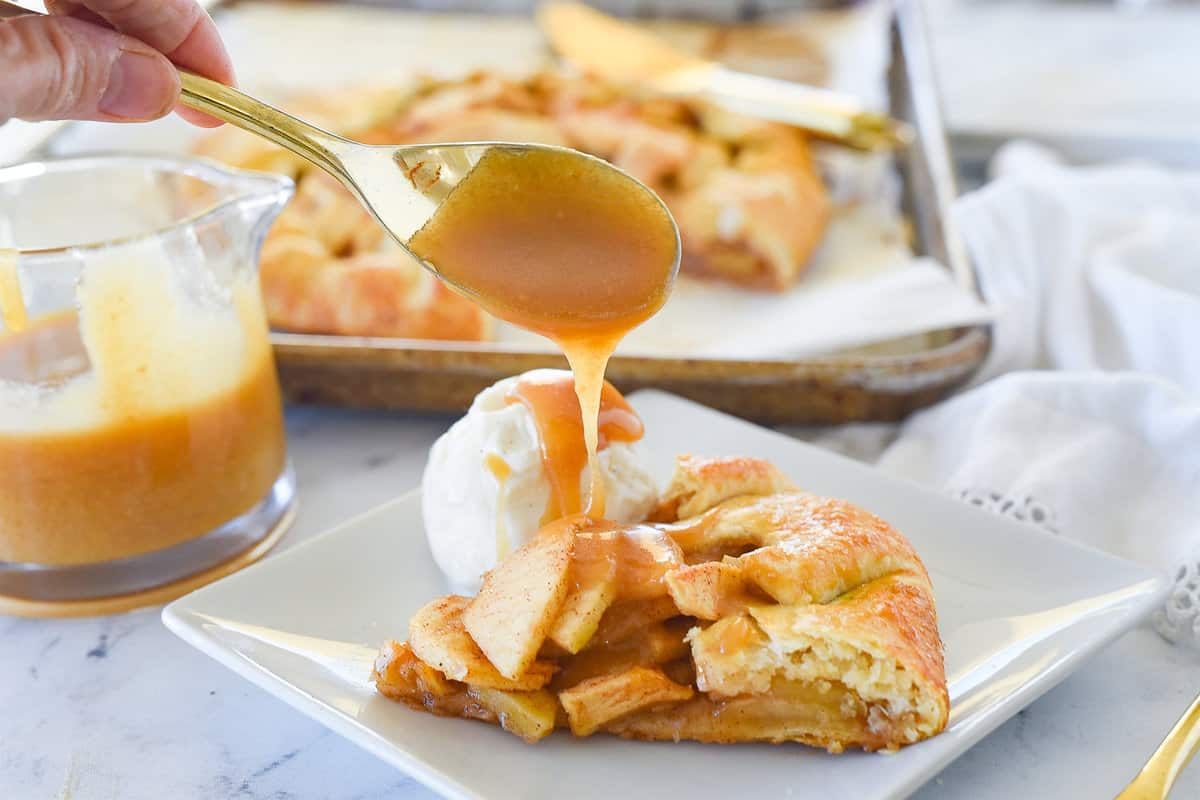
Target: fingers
x,y
63,68
180,29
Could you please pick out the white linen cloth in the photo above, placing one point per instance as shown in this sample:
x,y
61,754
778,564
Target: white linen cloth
x,y
1085,419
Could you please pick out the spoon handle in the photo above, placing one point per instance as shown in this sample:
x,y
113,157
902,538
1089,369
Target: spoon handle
x,y
240,109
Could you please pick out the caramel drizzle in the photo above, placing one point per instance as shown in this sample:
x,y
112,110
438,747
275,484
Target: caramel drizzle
x,y
636,557
567,444
500,471
571,250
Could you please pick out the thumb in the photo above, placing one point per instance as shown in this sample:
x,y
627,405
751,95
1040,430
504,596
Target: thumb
x,y
64,68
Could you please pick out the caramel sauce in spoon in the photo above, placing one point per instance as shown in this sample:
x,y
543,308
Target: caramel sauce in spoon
x,y
567,247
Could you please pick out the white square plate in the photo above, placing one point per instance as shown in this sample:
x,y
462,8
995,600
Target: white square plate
x,y
1018,610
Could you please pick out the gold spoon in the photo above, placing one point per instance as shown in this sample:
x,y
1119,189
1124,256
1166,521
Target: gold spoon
x,y
1156,778
401,185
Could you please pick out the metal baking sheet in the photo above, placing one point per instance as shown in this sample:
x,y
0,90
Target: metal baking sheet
x,y
880,382
884,382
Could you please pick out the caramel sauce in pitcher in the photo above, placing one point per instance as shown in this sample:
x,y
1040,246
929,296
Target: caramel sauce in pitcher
x,y
136,423
569,249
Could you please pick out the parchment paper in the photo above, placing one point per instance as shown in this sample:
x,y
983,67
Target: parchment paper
x,y
864,286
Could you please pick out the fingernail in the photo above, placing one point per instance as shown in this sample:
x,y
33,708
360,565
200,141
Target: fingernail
x,y
138,88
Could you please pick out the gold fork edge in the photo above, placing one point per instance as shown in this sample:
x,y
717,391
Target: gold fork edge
x,y
1154,781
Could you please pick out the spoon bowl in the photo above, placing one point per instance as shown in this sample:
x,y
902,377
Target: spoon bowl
x,y
402,186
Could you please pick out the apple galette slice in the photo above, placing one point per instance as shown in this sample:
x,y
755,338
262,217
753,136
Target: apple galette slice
x,y
748,611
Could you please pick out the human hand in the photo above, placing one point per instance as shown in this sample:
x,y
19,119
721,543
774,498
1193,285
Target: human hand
x,y
107,60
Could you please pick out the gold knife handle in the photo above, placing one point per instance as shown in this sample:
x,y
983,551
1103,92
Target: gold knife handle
x,y
1159,774
826,114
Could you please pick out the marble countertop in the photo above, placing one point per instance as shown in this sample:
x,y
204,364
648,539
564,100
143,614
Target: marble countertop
x,y
119,709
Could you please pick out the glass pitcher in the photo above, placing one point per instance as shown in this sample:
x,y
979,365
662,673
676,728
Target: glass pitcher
x,y
141,433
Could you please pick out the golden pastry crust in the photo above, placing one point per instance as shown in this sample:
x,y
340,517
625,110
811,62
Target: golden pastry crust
x,y
837,648
747,221
700,483
750,205
761,613
798,548
328,267
372,294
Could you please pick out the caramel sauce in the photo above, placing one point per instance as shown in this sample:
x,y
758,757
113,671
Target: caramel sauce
x,y
738,601
568,248
640,555
555,408
738,634
142,483
119,434
500,471
12,303
498,467
690,533
644,556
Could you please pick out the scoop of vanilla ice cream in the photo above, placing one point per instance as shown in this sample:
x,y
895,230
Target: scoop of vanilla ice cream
x,y
473,516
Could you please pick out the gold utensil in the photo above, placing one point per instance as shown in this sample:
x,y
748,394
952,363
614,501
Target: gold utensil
x,y
1156,778
621,52
401,185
